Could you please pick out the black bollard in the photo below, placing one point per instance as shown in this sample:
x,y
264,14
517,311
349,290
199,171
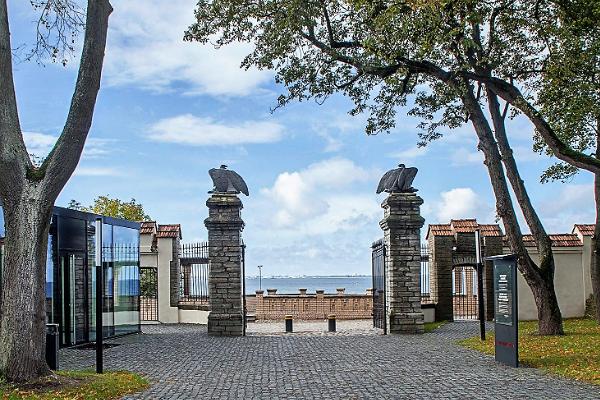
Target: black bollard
x,y
52,345
289,324
331,319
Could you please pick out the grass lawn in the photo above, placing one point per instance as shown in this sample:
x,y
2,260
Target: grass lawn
x,y
432,326
575,355
80,385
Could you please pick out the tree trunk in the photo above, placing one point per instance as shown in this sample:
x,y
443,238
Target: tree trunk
x,y
28,193
542,286
595,260
549,315
22,307
539,276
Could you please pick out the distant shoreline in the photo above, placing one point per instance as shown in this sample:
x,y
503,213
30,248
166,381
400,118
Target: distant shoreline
x,y
307,276
353,284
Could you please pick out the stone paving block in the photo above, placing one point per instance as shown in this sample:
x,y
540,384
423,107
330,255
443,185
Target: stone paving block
x,y
183,362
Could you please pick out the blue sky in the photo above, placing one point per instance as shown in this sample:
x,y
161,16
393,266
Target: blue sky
x,y
165,106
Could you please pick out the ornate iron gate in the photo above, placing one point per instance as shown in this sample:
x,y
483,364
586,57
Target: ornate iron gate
x,y
378,263
148,294
464,292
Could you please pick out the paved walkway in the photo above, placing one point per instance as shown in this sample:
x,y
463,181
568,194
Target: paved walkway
x,y
183,362
314,328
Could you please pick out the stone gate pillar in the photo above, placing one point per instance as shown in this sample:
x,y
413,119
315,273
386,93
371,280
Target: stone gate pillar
x,y
224,224
401,226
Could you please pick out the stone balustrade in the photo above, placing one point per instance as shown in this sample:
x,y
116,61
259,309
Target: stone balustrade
x,y
309,306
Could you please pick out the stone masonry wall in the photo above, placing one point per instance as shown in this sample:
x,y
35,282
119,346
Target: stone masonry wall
x,y
441,276
224,226
174,275
401,225
447,249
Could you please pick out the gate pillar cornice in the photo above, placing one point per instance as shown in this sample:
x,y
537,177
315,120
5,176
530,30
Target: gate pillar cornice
x,y
401,224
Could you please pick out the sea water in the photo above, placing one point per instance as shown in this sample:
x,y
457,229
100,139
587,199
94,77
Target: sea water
x,y
290,285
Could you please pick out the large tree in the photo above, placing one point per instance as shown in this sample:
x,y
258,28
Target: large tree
x,y
27,191
442,53
105,205
568,98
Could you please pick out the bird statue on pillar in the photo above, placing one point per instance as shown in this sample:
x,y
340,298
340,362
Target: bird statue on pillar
x,y
227,181
398,180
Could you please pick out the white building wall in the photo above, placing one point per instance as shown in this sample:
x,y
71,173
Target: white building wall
x,y
160,258
166,313
570,279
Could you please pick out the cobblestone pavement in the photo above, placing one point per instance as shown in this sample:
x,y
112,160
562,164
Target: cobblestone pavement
x,y
183,362
314,328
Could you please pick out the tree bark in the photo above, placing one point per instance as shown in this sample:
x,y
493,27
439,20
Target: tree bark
x,y
595,259
22,307
28,194
549,315
542,286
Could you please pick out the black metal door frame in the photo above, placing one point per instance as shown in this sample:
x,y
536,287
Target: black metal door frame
x,y
67,284
244,310
378,254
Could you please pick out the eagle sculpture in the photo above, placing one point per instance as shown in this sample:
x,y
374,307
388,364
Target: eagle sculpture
x,y
398,180
227,181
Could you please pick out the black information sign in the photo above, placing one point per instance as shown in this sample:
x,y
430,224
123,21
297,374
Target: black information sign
x,y
506,310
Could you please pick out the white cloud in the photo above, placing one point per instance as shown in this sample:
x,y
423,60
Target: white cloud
x,y
574,204
40,145
409,154
317,198
463,156
462,203
199,131
526,154
97,171
146,49
334,129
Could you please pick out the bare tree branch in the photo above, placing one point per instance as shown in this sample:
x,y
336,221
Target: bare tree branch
x,y
56,29
560,149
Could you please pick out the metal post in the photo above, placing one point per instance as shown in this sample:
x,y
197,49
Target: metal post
x,y
244,310
331,320
99,297
480,284
260,277
52,345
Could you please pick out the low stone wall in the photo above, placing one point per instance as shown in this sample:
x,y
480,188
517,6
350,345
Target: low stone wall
x,y
305,306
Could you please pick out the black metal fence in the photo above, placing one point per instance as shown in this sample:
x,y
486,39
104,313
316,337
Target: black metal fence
x,y
193,258
194,251
194,283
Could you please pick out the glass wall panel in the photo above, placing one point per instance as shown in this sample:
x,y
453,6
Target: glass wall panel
x,y
126,279
1,246
2,228
50,274
71,233
91,260
108,317
70,299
